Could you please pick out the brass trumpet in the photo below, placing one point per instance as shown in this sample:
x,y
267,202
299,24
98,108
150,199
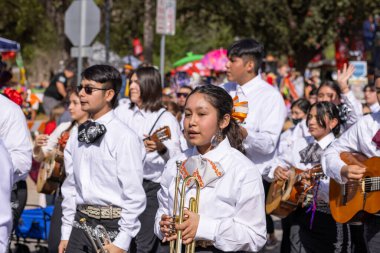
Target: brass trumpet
x,y
176,246
101,236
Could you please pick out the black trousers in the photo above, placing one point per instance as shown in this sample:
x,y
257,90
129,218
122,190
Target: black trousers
x,y
269,220
358,242
326,235
286,225
372,233
55,226
79,241
146,241
18,201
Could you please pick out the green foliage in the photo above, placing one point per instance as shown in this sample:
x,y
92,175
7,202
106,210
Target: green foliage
x,y
300,28
25,22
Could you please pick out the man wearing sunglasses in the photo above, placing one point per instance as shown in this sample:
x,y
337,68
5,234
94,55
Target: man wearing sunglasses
x,y
103,162
182,94
362,137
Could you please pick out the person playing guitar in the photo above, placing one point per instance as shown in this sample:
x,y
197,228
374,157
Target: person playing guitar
x,y
364,138
312,222
53,145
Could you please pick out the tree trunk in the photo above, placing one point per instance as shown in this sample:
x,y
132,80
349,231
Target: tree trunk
x,y
148,31
303,55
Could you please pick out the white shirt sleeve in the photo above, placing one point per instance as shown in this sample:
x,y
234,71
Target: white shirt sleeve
x,y
355,106
5,195
129,173
163,200
331,162
244,231
16,136
264,139
68,192
52,141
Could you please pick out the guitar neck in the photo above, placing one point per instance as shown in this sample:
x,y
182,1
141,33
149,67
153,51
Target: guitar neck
x,y
372,184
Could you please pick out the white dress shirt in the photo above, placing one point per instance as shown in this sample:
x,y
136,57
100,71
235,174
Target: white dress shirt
x,y
105,173
375,107
142,121
356,109
16,137
292,158
286,143
288,137
6,182
358,138
266,117
231,212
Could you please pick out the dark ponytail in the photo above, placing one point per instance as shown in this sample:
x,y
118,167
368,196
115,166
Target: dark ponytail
x,y
223,103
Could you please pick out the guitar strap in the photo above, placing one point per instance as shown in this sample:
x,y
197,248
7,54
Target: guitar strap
x,y
159,116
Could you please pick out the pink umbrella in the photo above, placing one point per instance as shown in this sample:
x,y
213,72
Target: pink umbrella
x,y
216,59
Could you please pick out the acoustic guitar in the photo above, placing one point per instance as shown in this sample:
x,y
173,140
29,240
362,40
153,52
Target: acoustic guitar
x,y
348,202
285,196
160,134
52,171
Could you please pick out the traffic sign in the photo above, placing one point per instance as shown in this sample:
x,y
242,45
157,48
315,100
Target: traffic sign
x,y
165,17
86,52
82,22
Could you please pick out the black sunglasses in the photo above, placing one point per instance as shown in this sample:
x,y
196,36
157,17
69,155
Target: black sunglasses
x,y
88,89
180,94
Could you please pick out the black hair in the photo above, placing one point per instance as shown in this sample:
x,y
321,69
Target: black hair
x,y
107,75
370,86
248,48
326,109
186,87
71,66
301,103
222,102
149,80
313,92
332,85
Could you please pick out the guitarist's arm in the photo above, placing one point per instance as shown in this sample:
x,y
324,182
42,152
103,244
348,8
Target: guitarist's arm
x,y
39,142
332,164
162,150
171,147
45,144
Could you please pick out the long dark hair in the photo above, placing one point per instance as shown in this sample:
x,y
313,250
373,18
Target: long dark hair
x,y
326,109
223,104
150,87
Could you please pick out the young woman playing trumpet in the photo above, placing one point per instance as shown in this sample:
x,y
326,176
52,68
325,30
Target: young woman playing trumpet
x,y
231,213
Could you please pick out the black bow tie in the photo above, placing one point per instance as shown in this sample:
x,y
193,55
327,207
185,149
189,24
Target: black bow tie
x,y
90,131
311,154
